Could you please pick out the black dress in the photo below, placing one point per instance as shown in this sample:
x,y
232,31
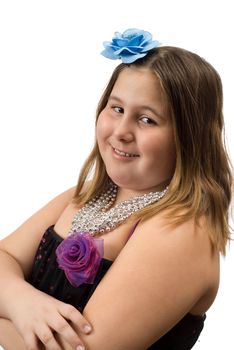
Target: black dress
x,y
49,278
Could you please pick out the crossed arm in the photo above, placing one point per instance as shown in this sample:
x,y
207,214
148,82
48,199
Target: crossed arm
x,y
157,278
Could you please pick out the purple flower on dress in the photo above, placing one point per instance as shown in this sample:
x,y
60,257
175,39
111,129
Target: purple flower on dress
x,y
79,256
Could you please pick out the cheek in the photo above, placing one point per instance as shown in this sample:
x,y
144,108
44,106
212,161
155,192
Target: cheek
x,y
168,152
161,149
102,128
171,150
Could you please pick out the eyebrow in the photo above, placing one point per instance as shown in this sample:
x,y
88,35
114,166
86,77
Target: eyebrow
x,y
153,110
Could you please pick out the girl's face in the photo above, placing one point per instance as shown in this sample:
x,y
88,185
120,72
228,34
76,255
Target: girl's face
x,y
134,133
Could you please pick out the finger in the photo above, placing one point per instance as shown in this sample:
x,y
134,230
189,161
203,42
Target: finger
x,y
73,315
63,343
66,332
30,341
47,338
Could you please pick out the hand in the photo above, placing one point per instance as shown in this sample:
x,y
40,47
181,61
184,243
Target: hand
x,y
42,319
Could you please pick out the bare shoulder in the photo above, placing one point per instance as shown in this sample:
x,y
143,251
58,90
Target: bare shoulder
x,y
167,271
187,248
23,242
189,237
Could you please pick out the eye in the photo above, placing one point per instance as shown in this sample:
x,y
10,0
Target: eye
x,y
147,120
118,109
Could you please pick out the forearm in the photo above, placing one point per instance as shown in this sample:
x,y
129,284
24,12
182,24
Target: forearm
x,y
37,317
9,336
12,281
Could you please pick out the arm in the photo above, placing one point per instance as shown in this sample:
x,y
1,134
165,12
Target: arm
x,y
9,336
34,313
157,278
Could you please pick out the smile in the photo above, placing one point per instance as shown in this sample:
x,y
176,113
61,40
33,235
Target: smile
x,y
123,154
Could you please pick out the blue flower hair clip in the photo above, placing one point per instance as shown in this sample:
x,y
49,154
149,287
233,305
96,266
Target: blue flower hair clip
x,y
129,46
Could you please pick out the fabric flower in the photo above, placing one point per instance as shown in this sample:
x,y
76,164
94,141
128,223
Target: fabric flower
x,y
129,46
79,256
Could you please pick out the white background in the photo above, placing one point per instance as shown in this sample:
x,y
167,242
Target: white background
x,y
51,77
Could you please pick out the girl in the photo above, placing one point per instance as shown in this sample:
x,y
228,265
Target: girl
x,y
136,248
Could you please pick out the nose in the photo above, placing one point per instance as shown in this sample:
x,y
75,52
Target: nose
x,y
124,129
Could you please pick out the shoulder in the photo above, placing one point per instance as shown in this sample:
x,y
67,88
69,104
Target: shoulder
x,y
184,254
178,258
189,234
47,215
185,243
23,242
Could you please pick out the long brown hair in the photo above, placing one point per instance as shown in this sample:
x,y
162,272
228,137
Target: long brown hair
x,y
201,184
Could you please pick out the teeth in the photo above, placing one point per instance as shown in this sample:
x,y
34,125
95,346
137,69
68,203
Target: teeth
x,y
121,153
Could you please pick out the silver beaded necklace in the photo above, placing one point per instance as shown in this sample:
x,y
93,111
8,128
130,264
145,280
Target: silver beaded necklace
x,y
98,216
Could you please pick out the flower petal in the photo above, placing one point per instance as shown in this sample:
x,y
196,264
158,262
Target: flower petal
x,y
152,45
79,256
130,58
133,41
136,41
120,42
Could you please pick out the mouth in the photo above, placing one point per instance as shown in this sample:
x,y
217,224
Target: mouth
x,y
124,154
